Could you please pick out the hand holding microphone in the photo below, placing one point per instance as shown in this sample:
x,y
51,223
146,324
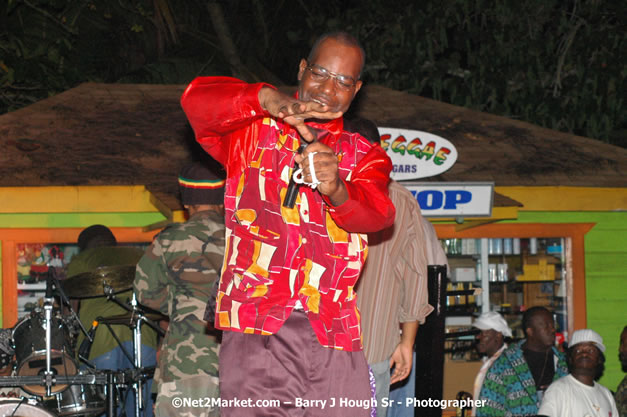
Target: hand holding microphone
x,y
322,169
292,187
299,178
318,167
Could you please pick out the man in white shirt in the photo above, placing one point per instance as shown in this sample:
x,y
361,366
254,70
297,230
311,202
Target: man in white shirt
x,y
577,394
490,342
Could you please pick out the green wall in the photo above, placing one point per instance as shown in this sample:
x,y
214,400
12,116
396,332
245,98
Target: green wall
x,y
58,220
606,277
605,251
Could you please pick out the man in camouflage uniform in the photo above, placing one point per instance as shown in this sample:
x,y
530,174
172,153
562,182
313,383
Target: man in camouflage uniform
x,y
175,276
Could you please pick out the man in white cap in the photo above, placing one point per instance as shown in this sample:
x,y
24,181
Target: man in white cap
x,y
490,342
578,394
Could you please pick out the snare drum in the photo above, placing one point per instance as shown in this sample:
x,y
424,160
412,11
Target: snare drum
x,y
29,339
85,400
22,408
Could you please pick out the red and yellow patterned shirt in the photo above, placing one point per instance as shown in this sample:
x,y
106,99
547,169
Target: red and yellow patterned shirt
x,y
276,256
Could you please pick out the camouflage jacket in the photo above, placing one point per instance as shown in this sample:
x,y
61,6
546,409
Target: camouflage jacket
x,y
175,277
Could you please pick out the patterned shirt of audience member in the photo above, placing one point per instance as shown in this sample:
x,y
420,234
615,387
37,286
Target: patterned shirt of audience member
x,y
512,386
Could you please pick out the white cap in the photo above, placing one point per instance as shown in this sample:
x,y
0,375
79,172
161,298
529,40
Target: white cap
x,y
587,335
493,320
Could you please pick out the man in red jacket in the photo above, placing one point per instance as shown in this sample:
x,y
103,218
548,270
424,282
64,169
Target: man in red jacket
x,y
286,300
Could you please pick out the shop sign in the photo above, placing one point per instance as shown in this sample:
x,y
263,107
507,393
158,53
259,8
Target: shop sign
x,y
445,199
416,154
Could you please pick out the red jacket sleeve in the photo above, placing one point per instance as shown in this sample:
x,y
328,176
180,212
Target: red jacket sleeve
x,y
368,208
221,111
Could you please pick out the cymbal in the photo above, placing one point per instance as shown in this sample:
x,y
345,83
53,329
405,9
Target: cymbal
x,y
90,284
126,318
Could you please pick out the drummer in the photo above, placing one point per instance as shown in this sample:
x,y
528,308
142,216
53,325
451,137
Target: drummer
x,y
98,248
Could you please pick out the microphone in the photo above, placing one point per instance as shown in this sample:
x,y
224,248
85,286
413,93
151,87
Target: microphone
x,y
49,285
83,350
292,188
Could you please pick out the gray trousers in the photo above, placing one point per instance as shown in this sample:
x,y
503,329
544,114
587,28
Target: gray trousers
x,y
381,371
289,374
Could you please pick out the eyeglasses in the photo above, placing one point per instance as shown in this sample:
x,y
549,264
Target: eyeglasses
x,y
585,349
320,74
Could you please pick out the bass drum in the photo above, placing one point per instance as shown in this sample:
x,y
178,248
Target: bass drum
x,y
84,400
29,339
22,408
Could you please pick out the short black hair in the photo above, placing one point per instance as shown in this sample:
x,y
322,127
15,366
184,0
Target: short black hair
x,y
342,37
96,236
365,127
530,313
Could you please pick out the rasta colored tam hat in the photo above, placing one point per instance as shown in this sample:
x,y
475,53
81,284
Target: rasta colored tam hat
x,y
201,185
587,335
493,320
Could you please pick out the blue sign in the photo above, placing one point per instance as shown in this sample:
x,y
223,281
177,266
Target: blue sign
x,y
453,199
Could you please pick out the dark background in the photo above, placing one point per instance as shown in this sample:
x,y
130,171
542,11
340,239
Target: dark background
x,y
555,63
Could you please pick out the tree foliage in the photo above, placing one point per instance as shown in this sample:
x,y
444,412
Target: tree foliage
x,y
555,63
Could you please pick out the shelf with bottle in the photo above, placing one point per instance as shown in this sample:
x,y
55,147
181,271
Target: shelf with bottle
x,y
461,247
503,268
472,247
504,246
462,299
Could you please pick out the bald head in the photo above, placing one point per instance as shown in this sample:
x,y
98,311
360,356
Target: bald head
x,y
539,328
330,76
342,37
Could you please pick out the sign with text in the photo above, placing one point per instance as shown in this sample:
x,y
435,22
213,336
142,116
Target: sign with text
x,y
445,199
416,154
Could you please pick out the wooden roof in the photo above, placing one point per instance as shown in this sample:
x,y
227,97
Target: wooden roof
x,y
495,148
130,134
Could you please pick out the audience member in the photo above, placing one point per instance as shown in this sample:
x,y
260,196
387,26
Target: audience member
x,y
490,343
514,384
621,391
578,394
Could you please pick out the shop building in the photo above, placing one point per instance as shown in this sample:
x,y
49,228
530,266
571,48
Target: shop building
x,y
555,233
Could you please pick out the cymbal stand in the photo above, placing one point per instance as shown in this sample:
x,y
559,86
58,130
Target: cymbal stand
x,y
48,324
137,347
135,310
137,318
48,303
66,301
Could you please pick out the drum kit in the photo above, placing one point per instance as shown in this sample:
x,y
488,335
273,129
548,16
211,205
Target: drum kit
x,y
46,364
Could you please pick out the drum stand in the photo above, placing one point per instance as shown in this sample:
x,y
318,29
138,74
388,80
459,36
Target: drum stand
x,y
109,379
136,320
53,283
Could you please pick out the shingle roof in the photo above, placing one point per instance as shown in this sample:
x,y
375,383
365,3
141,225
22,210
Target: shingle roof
x,y
137,134
494,148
